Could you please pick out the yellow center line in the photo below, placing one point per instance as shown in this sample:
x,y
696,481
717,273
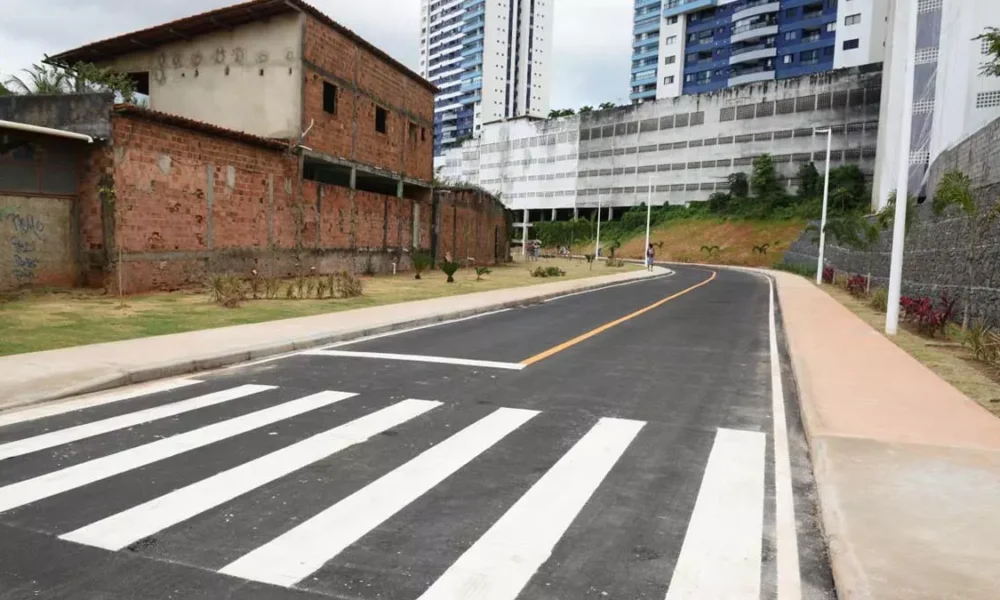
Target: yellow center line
x,y
607,326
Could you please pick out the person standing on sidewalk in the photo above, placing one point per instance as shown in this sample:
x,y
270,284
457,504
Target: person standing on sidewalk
x,y
650,255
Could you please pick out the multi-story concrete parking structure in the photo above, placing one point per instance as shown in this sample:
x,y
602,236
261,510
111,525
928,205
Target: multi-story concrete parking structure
x,y
490,60
685,148
696,46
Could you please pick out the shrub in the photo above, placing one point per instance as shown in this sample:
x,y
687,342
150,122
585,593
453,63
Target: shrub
x,y
272,285
217,287
226,290
300,287
480,271
421,262
880,299
548,272
590,259
984,343
321,288
450,267
840,280
857,286
928,318
762,249
347,285
310,287
803,270
828,274
256,285
615,262
290,292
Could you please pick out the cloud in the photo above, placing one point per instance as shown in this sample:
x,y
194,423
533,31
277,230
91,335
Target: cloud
x,y
591,43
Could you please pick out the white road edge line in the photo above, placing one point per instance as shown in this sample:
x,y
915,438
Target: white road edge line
x,y
94,428
720,557
608,287
442,360
52,409
79,475
120,530
300,551
789,575
361,339
503,560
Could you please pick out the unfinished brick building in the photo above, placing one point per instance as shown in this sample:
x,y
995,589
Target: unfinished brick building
x,y
274,139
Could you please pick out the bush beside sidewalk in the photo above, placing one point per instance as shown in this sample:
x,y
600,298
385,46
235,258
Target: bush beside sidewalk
x,y
50,375
907,467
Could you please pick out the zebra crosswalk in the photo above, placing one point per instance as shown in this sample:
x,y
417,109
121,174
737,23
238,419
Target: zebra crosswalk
x,y
725,531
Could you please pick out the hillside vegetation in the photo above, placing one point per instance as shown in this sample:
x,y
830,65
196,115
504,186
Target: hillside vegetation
x,y
751,223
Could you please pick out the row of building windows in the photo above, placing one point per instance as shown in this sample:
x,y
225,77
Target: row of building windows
x,y
745,161
870,127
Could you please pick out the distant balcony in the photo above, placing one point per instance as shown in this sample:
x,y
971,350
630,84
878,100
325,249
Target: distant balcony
x,y
761,7
749,32
752,76
677,7
744,55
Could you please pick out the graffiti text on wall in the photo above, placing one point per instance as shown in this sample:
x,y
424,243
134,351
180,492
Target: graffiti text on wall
x,y
24,243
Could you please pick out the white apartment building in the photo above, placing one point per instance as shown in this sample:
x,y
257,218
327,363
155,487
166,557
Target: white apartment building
x,y
490,59
951,98
685,148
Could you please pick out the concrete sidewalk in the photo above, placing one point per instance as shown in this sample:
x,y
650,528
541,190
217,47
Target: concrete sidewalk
x,y
907,468
41,376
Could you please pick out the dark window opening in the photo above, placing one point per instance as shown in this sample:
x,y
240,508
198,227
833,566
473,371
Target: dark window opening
x,y
413,133
423,134
141,81
381,119
329,98
851,44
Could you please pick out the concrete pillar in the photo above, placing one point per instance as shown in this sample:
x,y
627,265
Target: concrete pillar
x,y
524,236
553,214
399,188
576,213
611,212
354,178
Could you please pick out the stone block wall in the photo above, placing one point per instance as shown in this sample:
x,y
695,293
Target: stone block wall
x,y
934,261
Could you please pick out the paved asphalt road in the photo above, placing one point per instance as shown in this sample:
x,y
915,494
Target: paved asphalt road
x,y
626,443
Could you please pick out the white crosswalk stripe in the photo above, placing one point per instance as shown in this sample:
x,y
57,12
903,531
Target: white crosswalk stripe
x,y
294,555
725,533
505,557
63,480
80,432
720,557
122,529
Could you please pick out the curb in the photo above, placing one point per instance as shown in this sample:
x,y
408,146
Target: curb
x,y
268,350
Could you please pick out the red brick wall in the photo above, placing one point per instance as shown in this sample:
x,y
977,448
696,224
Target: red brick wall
x,y
364,82
471,224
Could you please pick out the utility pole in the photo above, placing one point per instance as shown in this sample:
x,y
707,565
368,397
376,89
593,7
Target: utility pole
x,y
903,176
826,200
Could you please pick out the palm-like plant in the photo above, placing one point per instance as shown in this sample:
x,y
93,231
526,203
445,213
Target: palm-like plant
x,y
606,106
586,109
39,79
955,191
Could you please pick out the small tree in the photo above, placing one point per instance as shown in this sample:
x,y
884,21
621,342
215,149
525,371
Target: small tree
x,y
810,184
586,109
421,262
739,186
955,191
848,189
991,67
606,105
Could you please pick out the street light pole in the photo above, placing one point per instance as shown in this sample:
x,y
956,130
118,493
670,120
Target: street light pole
x,y
908,42
597,242
826,201
649,204
524,236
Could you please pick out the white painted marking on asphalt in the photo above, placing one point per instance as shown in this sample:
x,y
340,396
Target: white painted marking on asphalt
x,y
292,556
502,561
420,328
608,287
92,400
120,530
789,575
364,339
442,360
720,558
63,480
87,430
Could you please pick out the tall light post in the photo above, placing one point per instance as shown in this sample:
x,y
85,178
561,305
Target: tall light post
x,y
524,236
908,42
597,242
826,201
649,204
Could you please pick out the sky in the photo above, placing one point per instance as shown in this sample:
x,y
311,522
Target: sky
x,y
591,45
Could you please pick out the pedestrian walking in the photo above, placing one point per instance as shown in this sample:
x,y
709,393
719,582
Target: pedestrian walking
x,y
650,255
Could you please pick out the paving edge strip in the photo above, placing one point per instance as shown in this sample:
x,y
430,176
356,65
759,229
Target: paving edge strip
x,y
187,367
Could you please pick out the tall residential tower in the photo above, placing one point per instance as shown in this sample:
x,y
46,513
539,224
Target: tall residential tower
x,y
694,46
490,60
